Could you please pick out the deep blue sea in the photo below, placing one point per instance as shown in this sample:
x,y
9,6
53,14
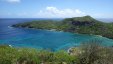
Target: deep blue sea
x,y
42,39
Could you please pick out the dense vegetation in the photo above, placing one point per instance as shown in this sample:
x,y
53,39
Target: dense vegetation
x,y
88,53
9,55
82,25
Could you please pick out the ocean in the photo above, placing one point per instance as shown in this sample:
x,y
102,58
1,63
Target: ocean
x,y
42,39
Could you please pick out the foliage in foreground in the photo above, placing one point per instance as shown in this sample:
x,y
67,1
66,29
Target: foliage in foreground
x,y
9,55
94,53
88,53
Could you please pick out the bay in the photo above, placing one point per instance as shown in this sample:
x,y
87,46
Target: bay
x,y
42,39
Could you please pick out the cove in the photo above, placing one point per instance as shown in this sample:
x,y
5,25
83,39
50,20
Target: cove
x,y
42,39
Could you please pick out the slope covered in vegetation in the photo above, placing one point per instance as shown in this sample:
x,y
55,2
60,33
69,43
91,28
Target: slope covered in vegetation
x,y
91,53
82,25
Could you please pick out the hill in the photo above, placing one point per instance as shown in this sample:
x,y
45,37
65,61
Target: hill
x,y
82,25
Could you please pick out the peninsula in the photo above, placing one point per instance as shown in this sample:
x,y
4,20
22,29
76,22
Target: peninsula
x,y
81,25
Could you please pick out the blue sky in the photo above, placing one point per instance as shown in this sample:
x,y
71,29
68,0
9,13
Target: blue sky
x,y
55,8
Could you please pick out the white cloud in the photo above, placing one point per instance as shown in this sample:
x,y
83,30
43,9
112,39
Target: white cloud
x,y
55,12
12,1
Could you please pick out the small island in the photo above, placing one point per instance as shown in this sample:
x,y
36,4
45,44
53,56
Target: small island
x,y
81,25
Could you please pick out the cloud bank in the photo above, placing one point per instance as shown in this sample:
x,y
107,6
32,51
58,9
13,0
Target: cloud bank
x,y
60,13
48,12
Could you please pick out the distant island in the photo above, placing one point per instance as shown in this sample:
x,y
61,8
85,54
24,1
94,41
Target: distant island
x,y
81,25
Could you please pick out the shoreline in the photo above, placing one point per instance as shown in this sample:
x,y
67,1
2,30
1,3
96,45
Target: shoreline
x,y
60,31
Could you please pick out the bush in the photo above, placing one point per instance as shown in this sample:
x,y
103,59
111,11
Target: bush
x,y
94,53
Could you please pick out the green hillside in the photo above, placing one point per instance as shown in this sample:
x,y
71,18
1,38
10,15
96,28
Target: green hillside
x,y
89,53
82,25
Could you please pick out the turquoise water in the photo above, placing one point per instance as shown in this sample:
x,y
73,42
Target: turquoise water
x,y
43,39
